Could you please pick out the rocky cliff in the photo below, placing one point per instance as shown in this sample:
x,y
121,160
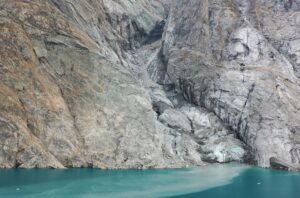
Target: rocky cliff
x,y
240,60
149,84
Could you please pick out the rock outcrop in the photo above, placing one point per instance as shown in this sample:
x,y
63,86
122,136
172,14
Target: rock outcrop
x,y
239,60
67,97
148,84
72,92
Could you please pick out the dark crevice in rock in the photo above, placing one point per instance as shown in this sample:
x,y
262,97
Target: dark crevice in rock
x,y
187,88
169,87
18,164
157,109
192,125
139,33
242,131
158,72
156,33
288,5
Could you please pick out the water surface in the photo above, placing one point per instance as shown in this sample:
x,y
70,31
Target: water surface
x,y
255,183
228,181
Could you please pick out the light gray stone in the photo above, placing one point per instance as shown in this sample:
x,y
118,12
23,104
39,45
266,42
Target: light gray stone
x,y
176,120
238,60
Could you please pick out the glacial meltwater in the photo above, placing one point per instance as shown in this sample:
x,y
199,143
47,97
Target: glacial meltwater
x,y
228,181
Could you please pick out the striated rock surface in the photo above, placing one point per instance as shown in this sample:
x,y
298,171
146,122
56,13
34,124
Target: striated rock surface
x,y
240,60
75,91
149,84
67,97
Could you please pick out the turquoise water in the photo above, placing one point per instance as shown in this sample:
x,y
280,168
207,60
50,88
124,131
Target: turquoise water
x,y
230,181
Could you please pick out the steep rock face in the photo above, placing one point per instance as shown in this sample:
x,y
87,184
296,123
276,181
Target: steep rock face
x,y
239,59
192,132
66,97
75,90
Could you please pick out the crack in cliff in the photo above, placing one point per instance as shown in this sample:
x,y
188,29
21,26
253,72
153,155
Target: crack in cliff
x,y
242,113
